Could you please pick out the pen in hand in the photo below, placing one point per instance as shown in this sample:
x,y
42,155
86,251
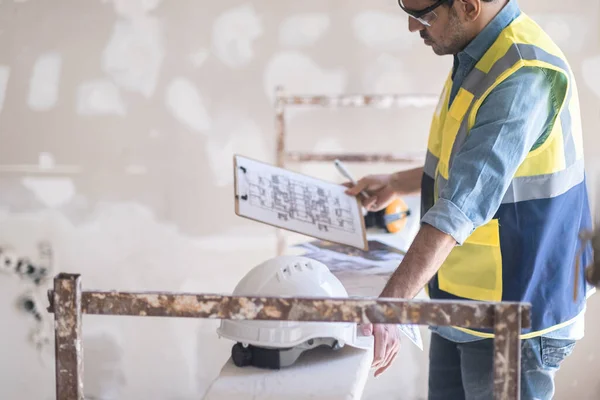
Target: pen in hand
x,y
346,174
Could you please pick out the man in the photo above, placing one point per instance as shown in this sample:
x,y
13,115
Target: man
x,y
503,196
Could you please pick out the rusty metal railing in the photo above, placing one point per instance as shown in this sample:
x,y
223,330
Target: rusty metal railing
x,y
68,303
384,101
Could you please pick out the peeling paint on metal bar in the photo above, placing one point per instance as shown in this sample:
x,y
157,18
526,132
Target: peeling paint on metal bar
x,y
507,351
380,101
280,156
164,304
350,157
279,125
593,275
66,298
68,303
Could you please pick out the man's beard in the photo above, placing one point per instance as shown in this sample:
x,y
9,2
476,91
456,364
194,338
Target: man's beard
x,y
450,44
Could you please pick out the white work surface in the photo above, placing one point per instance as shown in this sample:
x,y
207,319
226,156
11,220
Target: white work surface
x,y
318,374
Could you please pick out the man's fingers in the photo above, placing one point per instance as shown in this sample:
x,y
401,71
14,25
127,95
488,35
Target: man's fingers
x,y
370,203
381,200
392,352
390,343
392,349
381,336
354,190
382,369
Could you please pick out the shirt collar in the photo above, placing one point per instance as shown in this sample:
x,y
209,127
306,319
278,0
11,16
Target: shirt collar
x,y
484,40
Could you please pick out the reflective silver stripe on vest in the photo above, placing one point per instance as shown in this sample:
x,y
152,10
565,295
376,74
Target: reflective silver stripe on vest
x,y
477,82
473,80
430,166
531,52
544,186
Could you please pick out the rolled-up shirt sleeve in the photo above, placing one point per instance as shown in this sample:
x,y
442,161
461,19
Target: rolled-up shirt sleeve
x,y
515,116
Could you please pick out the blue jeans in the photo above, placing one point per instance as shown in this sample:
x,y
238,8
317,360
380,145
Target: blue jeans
x,y
465,370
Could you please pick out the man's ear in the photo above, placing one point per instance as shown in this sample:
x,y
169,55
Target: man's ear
x,y
469,10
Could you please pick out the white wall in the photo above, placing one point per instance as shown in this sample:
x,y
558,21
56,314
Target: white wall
x,y
140,105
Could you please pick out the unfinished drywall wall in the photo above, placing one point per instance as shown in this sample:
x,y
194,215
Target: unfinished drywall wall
x,y
118,120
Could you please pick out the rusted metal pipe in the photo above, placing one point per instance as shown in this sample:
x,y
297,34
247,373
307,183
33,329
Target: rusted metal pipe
x,y
279,125
592,272
66,299
324,309
507,351
297,156
592,275
364,100
280,156
68,303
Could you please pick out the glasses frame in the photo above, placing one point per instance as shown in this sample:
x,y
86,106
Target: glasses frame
x,y
418,14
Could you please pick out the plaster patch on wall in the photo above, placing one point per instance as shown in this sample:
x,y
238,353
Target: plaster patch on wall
x,y
100,97
4,75
44,83
134,8
384,32
303,29
199,57
46,161
186,105
234,33
299,74
112,226
234,133
52,192
386,75
569,31
136,169
591,77
134,54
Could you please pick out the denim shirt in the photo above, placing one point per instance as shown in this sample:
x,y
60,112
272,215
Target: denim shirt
x,y
515,117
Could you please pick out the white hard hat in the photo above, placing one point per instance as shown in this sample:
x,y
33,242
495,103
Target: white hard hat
x,y
279,343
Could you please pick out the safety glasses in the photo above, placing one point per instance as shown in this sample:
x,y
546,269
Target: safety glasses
x,y
425,16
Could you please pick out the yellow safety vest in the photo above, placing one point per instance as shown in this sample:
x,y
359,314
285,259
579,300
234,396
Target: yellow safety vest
x,y
527,251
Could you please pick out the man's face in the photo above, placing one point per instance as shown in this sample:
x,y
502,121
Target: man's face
x,y
446,33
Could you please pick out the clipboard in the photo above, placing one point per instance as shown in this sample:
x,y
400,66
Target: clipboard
x,y
297,203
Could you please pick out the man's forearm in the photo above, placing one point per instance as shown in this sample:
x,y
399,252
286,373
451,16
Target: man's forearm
x,y
423,259
407,182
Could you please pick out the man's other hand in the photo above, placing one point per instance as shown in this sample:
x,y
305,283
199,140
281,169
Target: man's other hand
x,y
387,344
380,189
